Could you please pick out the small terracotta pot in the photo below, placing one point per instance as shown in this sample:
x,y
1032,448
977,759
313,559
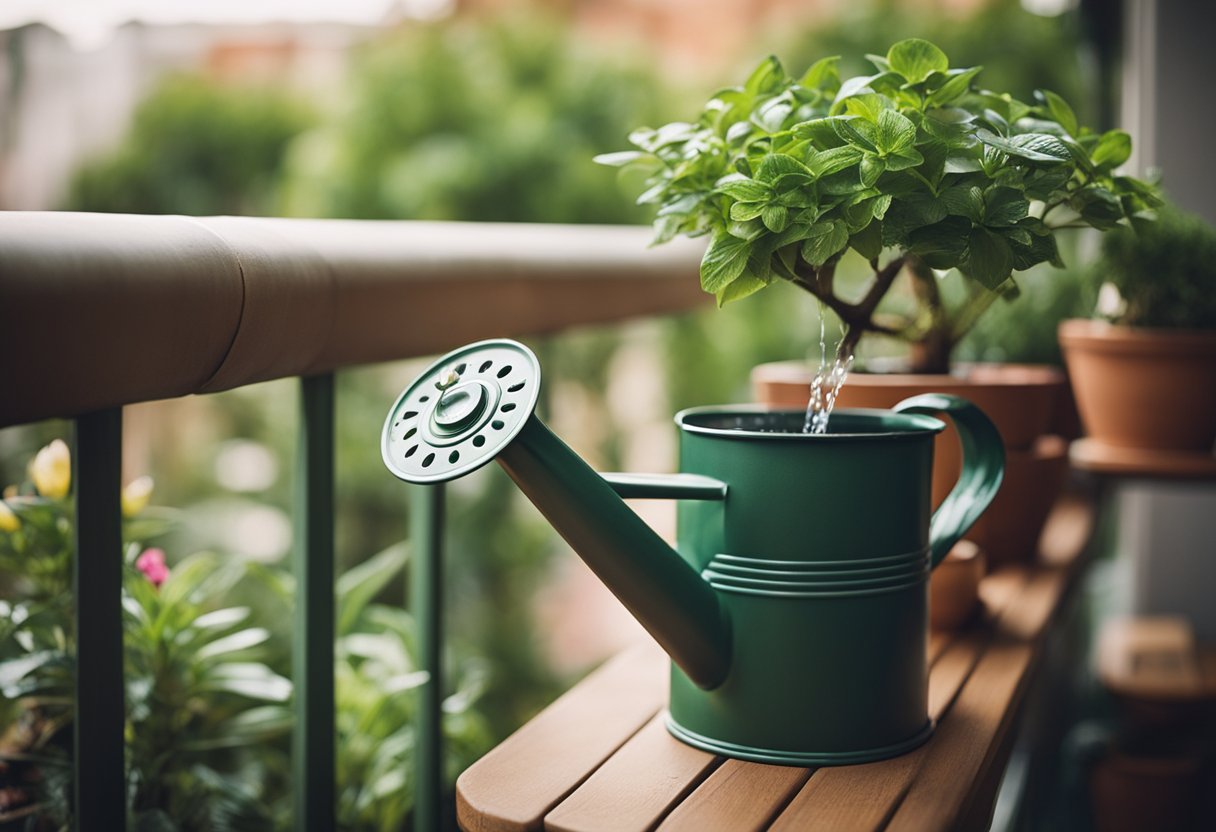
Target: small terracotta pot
x,y
1009,530
1143,388
954,588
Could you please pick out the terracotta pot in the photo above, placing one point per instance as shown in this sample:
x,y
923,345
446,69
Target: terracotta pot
x,y
1024,401
1011,526
1143,388
954,588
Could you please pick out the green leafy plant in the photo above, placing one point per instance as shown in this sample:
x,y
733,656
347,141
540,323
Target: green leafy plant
x,y
1165,275
786,175
203,709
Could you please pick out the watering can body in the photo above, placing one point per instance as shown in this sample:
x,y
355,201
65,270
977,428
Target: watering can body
x,y
796,605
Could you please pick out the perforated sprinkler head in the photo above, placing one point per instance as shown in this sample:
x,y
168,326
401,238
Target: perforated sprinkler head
x,y
457,416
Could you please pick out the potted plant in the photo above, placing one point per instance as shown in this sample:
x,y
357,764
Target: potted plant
x,y
916,171
1145,370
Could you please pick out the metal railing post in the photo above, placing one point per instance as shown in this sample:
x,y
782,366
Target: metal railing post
x,y
99,781
426,604
313,738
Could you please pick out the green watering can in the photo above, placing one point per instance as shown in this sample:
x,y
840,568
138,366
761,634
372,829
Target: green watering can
x,y
795,610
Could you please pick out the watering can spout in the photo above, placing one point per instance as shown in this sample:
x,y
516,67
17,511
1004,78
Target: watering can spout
x,y
475,405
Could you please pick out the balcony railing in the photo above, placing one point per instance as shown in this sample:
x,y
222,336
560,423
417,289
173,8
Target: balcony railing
x,y
99,311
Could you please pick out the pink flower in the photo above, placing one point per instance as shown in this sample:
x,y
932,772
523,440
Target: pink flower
x,y
152,564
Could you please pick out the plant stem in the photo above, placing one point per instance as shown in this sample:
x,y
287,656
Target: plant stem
x,y
857,318
931,352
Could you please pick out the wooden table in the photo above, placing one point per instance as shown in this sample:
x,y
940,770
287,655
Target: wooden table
x,y
599,757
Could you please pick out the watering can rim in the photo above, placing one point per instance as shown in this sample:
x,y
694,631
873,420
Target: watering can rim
x,y
910,425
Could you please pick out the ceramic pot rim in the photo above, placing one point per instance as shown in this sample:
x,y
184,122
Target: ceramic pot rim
x,y
1101,336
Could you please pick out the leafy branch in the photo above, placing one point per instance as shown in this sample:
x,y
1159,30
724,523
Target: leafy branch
x,y
786,175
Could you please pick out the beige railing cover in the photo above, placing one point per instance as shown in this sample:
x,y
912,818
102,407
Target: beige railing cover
x,y
98,310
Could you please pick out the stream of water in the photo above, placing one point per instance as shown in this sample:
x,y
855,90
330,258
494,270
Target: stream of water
x,y
826,383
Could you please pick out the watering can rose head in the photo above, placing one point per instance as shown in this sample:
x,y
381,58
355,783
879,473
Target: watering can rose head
x,y
915,164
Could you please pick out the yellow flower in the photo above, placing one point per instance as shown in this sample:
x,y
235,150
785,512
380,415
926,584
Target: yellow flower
x,y
51,470
9,522
10,491
136,495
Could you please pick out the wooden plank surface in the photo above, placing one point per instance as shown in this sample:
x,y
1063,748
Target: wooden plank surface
x,y
636,787
737,797
515,784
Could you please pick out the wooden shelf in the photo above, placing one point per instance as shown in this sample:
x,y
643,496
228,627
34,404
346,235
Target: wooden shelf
x,y
599,759
1099,458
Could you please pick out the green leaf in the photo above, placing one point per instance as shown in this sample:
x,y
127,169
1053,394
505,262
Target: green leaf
x,y
360,584
1059,110
766,78
908,157
256,681
823,75
915,59
776,165
942,245
868,241
744,211
1041,249
871,168
235,643
724,260
894,133
819,132
739,187
1036,147
869,106
771,115
739,288
618,159
1097,206
775,218
747,230
956,85
989,259
1112,149
1004,206
857,132
964,201
826,240
836,159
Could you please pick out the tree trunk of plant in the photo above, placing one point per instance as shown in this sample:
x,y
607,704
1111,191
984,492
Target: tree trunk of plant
x,y
930,353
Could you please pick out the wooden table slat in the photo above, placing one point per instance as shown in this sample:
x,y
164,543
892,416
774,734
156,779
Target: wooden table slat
x,y
512,787
637,786
737,797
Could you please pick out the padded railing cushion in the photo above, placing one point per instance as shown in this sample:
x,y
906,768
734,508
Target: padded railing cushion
x,y
98,310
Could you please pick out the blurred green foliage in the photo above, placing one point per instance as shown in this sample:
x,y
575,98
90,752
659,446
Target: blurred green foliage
x,y
1165,272
195,147
1020,51
475,120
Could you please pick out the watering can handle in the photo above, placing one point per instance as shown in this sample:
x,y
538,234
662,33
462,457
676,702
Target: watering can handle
x,y
983,468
